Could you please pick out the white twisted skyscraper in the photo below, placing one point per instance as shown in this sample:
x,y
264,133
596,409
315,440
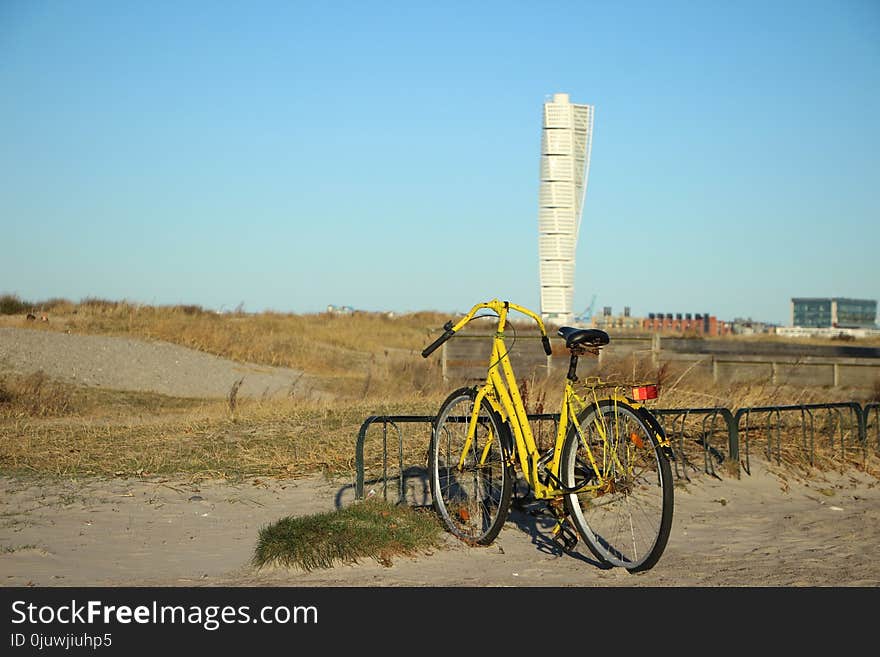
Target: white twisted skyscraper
x,y
565,164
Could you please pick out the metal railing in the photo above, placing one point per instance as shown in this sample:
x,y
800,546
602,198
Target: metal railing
x,y
677,435
403,472
843,420
773,424
386,420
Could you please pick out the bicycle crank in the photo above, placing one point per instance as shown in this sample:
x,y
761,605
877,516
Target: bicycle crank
x,y
564,535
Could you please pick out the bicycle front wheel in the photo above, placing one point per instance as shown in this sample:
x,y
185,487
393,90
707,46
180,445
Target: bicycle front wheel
x,y
626,516
471,495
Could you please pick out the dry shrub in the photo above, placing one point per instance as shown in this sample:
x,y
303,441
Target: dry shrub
x,y
874,395
34,395
11,304
232,397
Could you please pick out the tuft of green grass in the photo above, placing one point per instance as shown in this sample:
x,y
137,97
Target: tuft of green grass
x,y
369,529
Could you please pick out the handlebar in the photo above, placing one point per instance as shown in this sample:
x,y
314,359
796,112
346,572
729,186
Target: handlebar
x,y
501,308
448,333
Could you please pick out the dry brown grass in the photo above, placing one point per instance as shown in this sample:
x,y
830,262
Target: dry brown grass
x,y
837,341
199,439
355,353
34,395
368,362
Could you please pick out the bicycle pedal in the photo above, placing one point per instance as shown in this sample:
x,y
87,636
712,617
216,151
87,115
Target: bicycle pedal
x,y
566,541
566,538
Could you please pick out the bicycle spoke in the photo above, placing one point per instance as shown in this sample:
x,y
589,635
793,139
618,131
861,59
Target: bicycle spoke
x,y
625,521
470,485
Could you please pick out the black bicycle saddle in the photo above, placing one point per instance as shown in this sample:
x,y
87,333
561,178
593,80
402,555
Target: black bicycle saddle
x,y
575,336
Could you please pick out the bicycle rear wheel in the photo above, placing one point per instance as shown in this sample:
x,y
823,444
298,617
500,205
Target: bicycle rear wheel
x,y
473,500
627,521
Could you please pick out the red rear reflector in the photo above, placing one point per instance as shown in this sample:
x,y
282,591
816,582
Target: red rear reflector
x,y
641,393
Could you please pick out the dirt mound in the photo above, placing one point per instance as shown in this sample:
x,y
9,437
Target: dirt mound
x,y
128,364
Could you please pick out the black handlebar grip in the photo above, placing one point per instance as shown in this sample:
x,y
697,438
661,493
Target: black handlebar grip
x,y
448,333
547,348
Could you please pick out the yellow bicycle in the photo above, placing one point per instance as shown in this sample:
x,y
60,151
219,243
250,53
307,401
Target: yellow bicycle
x,y
607,474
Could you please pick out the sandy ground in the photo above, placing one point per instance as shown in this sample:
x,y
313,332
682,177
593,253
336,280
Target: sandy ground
x,y
763,529
767,529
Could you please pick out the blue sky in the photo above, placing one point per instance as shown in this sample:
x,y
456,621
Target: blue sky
x,y
291,155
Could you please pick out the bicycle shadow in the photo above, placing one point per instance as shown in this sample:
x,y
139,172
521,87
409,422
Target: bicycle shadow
x,y
527,514
530,516
410,487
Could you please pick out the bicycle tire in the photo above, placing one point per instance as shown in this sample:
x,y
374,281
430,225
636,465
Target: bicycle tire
x,y
473,502
628,524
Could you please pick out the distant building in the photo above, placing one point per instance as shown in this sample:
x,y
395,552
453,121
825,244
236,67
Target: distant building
x,y
609,322
817,312
740,326
687,323
692,323
566,138
340,310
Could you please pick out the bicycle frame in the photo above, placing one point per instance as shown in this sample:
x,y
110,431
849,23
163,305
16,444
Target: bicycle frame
x,y
502,394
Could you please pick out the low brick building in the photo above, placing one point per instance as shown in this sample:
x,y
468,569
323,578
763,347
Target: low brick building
x,y
691,323
687,323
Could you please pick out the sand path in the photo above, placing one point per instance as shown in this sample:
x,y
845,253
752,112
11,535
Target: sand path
x,y
760,530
